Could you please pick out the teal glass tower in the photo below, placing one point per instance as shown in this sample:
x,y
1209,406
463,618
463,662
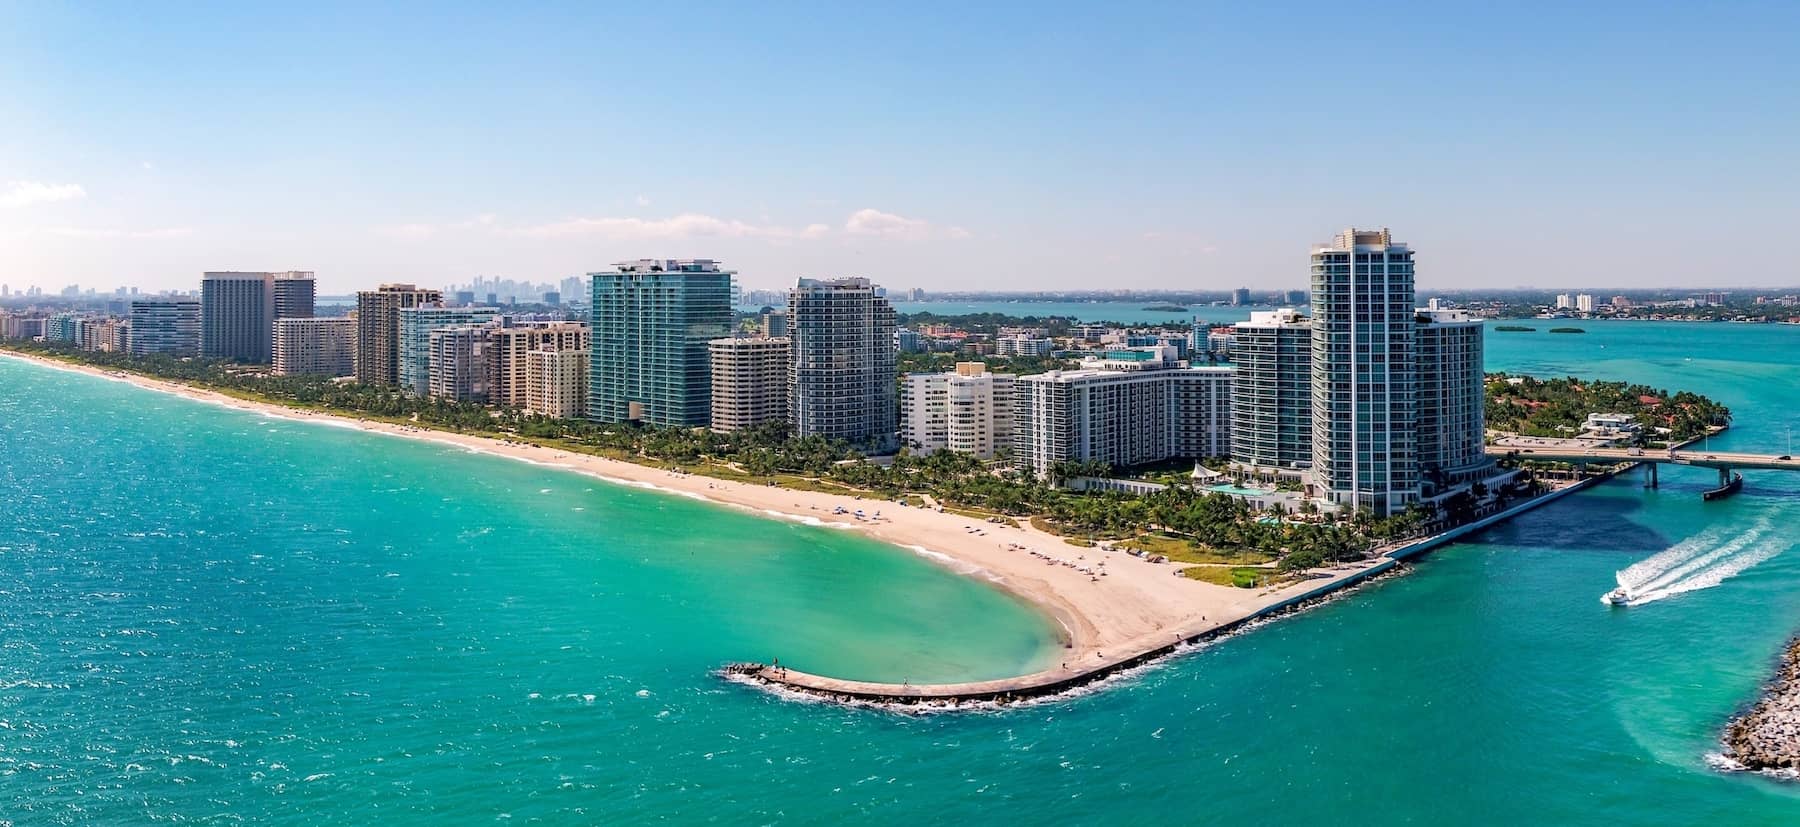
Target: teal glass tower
x,y
651,320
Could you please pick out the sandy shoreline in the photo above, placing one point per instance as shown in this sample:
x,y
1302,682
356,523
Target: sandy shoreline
x,y
1136,606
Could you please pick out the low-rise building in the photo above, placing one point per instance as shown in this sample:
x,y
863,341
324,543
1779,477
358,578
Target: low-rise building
x,y
1610,423
1022,345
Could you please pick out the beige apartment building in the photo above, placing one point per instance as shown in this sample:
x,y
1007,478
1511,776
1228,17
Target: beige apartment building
x,y
749,381
378,329
509,349
556,382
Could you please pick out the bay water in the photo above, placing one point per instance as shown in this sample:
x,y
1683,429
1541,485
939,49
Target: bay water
x,y
217,617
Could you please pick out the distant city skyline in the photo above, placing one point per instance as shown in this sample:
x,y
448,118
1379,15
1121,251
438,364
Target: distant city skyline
x,y
1152,147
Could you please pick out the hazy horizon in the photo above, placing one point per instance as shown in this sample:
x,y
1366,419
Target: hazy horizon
x,y
943,147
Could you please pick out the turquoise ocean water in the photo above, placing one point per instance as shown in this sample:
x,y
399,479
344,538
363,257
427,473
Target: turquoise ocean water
x,y
223,618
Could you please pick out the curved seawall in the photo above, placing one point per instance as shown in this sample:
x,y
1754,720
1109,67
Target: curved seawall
x,y
1139,652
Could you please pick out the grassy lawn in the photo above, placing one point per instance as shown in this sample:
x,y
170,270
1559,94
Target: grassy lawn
x,y
1243,577
1183,550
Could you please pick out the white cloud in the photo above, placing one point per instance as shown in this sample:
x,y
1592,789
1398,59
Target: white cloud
x,y
94,232
678,227
872,222
685,225
26,193
408,232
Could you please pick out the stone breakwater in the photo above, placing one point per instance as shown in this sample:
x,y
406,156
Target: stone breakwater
x,y
1768,736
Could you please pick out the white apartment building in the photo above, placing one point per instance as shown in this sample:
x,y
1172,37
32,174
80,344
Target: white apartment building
x,y
968,411
1023,345
1271,394
325,347
1131,408
1365,436
1452,400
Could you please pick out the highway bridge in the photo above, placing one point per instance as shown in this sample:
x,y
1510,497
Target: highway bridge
x,y
1727,462
1722,460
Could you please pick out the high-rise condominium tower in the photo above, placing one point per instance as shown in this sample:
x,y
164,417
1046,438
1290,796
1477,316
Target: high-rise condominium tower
x,y
1365,438
749,382
378,329
295,295
1271,394
1131,407
968,411
508,357
841,380
556,382
238,311
649,325
416,326
323,347
1452,400
164,325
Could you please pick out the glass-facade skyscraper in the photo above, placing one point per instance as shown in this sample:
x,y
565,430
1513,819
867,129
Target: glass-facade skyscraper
x,y
1271,394
1365,435
416,325
651,320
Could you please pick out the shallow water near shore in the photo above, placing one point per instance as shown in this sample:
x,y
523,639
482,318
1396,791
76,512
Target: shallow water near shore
x,y
216,615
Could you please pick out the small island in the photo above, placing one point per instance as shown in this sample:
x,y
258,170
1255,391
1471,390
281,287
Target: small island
x,y
1559,408
1166,308
1514,328
1567,330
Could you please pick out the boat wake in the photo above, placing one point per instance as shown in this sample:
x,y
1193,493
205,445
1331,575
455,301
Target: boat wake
x,y
1699,562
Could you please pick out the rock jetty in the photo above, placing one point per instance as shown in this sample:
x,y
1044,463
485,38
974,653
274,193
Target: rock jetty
x,y
1768,736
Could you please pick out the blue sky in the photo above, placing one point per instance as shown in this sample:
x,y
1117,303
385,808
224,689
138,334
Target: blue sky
x,y
1191,145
